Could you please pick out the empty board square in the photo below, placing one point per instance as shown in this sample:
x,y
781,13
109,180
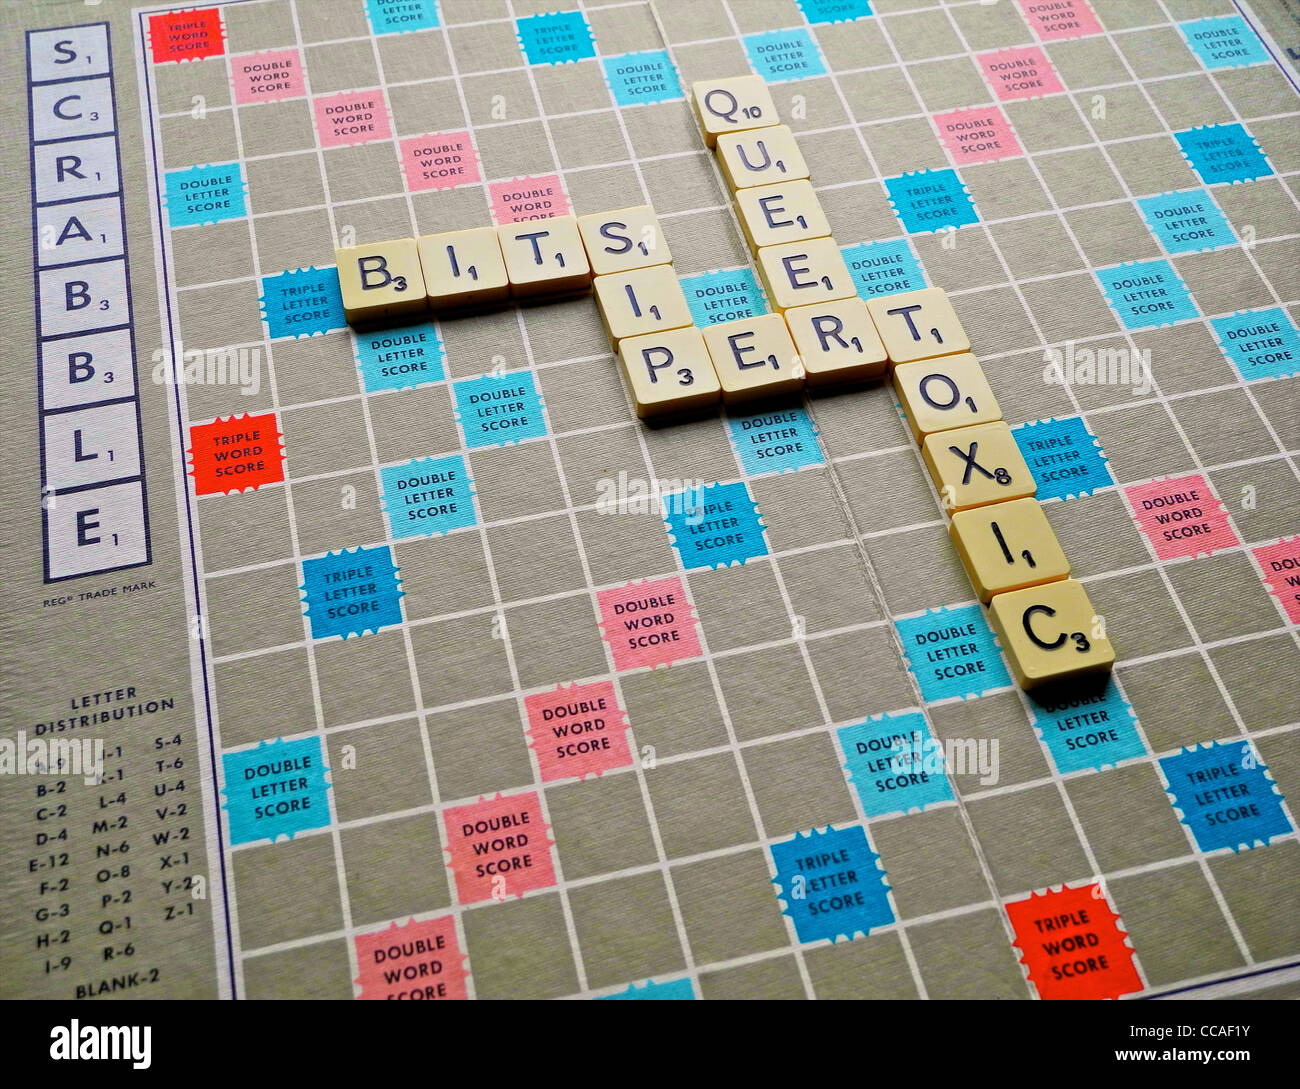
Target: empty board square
x,y
179,84
264,694
206,254
1159,692
931,864
1097,533
1223,596
965,259
1044,124
1087,62
1126,817
968,957
361,679
394,869
873,967
577,393
1223,425
1151,165
700,805
620,547
877,94
556,641
258,608
1250,672
1028,840
751,683
388,774
521,949
275,128
1038,247
860,420
295,240
459,660
829,589
443,574
800,510
1189,101
360,173
1155,52
860,674
889,491
922,34
995,719
245,528
591,464
535,558
516,481
904,146
1242,877
337,512
341,65
798,785
318,368
1140,442
948,84
1159,910
997,322
626,929
1004,189
729,907
674,711
1120,113
773,979
324,439
316,972
1140,615
1260,497
740,607
898,556
478,751
287,890
1069,308
1111,234
1079,176
600,825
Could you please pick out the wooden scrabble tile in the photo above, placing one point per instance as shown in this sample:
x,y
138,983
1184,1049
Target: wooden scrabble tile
x,y
463,268
1051,633
760,157
837,342
784,212
623,240
732,105
754,357
1007,546
939,394
918,325
544,256
975,465
801,273
668,372
380,280
644,300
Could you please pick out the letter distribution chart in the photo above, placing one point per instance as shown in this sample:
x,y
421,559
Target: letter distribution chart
x,y
406,661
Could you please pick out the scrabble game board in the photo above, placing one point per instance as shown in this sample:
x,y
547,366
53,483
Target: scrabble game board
x,y
413,679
